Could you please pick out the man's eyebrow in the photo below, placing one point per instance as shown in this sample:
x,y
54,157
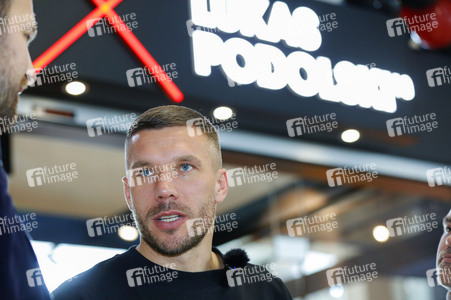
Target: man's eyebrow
x,y
189,158
180,159
140,164
447,219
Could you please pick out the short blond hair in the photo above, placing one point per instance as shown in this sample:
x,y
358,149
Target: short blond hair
x,y
170,116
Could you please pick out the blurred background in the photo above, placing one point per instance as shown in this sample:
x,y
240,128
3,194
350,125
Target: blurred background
x,y
84,100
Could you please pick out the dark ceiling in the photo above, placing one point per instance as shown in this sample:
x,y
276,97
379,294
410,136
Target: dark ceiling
x,y
361,37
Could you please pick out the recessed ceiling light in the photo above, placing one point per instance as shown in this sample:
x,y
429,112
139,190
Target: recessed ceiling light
x,y
380,233
350,135
223,113
75,88
336,291
128,233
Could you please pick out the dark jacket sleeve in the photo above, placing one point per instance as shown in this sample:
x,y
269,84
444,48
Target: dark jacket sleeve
x,y
20,276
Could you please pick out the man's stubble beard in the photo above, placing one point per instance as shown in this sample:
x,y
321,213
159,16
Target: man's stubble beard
x,y
176,246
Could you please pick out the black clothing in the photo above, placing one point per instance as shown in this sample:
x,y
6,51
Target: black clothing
x,y
132,276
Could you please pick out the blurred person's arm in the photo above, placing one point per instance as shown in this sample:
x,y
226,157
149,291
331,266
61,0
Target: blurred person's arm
x,y
16,255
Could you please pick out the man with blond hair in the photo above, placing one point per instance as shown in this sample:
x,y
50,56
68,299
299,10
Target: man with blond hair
x,y
174,181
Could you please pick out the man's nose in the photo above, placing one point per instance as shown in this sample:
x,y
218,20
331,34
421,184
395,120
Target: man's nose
x,y
165,187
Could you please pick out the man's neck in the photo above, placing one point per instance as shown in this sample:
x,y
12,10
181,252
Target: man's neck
x,y
198,259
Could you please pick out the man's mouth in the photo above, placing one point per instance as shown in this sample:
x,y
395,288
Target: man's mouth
x,y
446,258
169,220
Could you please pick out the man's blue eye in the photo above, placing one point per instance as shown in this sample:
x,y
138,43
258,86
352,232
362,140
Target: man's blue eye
x,y
146,172
186,167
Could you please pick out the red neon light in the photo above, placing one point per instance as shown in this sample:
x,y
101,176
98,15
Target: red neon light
x,y
106,8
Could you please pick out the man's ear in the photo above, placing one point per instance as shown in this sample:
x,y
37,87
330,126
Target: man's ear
x,y
127,192
222,185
